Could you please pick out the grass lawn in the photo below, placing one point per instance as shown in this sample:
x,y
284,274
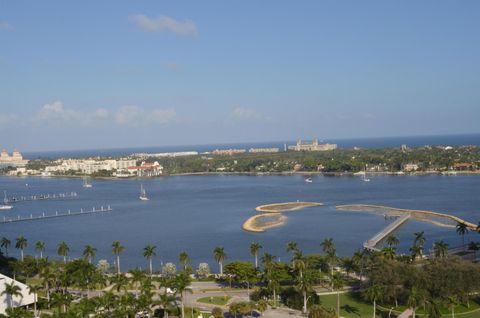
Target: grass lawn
x,y
350,306
353,307
220,301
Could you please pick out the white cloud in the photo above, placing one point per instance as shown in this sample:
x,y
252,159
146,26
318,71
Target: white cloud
x,y
135,116
5,26
56,110
164,24
101,113
162,116
247,114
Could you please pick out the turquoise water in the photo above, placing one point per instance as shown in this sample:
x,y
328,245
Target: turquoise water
x,y
198,213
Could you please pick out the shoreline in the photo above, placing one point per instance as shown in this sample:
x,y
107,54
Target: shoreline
x,y
271,215
285,173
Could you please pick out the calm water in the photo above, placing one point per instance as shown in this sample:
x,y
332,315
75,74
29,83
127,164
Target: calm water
x,y
198,213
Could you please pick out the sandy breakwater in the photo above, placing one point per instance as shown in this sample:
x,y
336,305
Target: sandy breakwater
x,y
271,215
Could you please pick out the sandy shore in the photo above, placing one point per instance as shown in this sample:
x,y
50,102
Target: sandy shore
x,y
436,218
271,215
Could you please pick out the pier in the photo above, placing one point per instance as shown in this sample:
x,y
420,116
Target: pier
x,y
37,197
45,216
372,243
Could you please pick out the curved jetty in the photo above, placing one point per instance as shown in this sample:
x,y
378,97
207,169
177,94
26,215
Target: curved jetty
x,y
437,218
272,215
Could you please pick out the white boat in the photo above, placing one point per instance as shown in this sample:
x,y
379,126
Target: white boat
x,y
364,176
143,194
308,180
86,183
5,205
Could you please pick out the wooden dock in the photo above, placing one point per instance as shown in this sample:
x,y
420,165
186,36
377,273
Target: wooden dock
x,y
37,197
373,242
45,216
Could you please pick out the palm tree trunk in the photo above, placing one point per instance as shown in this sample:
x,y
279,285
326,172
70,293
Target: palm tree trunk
x,y
374,308
41,255
151,267
118,264
182,306
453,311
304,302
35,304
21,254
65,259
256,260
274,298
221,268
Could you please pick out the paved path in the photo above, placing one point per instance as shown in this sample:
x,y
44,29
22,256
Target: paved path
x,y
407,313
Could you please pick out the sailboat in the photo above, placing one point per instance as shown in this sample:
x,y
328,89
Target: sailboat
x,y
364,176
309,180
143,194
86,183
5,206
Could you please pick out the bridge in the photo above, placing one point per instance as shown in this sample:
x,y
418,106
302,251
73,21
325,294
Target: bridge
x,y
373,242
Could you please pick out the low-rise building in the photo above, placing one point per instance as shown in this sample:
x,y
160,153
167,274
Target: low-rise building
x,y
228,152
313,145
15,160
7,301
263,150
146,169
408,167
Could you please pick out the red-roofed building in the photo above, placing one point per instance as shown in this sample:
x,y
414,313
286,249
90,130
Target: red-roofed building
x,y
463,166
146,169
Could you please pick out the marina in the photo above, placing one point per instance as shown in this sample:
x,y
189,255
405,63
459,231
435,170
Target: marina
x,y
39,197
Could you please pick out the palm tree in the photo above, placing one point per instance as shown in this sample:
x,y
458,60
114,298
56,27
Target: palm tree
x,y
374,292
89,253
452,302
117,249
338,284
268,260
21,244
419,240
433,309
184,259
33,289
63,249
414,299
40,247
440,249
149,253
137,277
462,229
120,282
329,249
392,241
11,290
416,251
389,252
181,283
254,248
292,246
474,247
304,285
5,243
219,255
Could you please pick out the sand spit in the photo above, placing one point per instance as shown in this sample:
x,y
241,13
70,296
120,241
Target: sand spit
x,y
436,218
272,215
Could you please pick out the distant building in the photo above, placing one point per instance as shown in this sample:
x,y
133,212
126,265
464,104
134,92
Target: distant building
x,y
410,167
147,169
228,152
259,150
24,299
461,166
313,145
15,160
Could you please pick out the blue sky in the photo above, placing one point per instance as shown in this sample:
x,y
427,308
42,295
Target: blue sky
x,y
105,74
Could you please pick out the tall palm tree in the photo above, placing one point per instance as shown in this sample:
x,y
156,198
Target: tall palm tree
x,y
440,249
184,259
149,253
329,249
392,241
11,290
292,246
452,303
415,251
304,285
40,247
33,289
89,253
181,283
374,292
117,249
5,243
338,284
389,252
219,255
462,229
21,244
414,299
63,249
254,249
